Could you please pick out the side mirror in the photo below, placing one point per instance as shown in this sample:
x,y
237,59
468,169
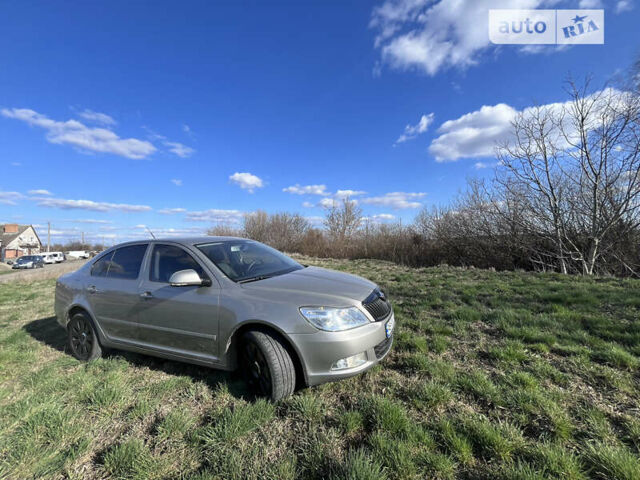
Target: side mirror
x,y
185,278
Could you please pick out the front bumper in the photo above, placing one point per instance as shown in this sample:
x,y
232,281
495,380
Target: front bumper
x,y
320,350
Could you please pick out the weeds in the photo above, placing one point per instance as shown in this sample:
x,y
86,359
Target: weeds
x,y
493,375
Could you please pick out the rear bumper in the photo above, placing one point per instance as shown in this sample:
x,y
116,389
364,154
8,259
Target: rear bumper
x,y
321,350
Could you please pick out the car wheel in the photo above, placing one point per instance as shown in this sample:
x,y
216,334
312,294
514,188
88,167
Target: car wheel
x,y
82,339
267,365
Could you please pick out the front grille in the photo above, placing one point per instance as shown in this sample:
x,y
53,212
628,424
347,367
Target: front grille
x,y
383,347
377,305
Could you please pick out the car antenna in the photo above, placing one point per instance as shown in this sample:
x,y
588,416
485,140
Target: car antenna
x,y
151,233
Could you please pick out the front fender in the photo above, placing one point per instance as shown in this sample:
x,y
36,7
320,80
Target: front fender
x,y
230,353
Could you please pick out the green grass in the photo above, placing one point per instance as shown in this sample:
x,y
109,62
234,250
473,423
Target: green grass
x,y
492,375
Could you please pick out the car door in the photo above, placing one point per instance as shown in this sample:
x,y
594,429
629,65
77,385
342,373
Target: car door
x,y
112,291
179,320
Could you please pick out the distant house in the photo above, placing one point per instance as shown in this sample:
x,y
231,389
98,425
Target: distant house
x,y
17,240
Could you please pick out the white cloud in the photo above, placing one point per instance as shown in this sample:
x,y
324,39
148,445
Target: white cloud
x,y
624,6
75,133
247,181
336,200
412,131
97,117
39,192
328,203
90,221
379,218
178,149
429,36
186,128
9,198
482,165
177,182
307,189
215,215
590,4
16,164
543,49
396,200
348,193
176,232
171,211
474,134
322,190
90,205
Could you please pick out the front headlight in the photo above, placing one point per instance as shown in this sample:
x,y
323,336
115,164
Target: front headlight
x,y
334,319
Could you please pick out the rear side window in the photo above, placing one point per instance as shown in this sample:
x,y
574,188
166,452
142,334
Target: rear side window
x,y
126,262
167,259
100,268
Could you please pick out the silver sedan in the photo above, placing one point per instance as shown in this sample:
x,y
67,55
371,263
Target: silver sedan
x,y
227,303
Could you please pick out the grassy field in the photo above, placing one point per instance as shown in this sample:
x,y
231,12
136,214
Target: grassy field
x,y
493,375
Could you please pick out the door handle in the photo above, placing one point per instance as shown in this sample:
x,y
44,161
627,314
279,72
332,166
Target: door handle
x,y
146,295
92,289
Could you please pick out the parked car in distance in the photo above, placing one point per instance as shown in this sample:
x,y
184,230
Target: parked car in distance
x,y
59,256
48,257
78,254
227,303
28,261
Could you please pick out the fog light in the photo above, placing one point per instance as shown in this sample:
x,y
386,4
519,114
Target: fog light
x,y
350,362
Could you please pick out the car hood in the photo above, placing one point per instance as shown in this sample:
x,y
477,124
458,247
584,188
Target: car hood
x,y
316,281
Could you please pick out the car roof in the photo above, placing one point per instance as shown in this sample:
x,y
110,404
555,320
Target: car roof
x,y
184,240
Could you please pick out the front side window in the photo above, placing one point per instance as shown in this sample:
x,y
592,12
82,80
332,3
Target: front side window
x,y
246,260
101,266
168,259
126,262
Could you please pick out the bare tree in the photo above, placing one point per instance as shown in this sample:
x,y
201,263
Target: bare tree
x,y
532,177
573,172
256,225
342,221
603,138
287,230
284,231
224,230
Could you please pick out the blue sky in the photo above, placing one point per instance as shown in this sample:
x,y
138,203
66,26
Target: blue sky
x,y
176,115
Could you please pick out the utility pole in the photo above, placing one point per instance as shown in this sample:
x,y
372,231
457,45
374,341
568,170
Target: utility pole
x,y
82,240
48,237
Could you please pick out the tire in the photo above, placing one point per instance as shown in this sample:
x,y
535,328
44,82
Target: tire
x,y
82,339
267,365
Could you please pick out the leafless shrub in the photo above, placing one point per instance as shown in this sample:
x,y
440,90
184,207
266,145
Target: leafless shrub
x,y
223,230
284,231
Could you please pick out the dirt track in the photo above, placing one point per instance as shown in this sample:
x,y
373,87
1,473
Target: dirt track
x,y
49,271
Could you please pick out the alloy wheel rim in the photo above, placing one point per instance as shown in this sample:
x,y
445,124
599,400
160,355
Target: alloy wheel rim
x,y
81,338
256,369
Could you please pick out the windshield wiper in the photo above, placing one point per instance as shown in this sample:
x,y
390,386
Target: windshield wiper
x,y
262,277
254,279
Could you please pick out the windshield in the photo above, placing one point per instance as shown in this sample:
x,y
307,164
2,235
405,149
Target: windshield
x,y
246,260
26,258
